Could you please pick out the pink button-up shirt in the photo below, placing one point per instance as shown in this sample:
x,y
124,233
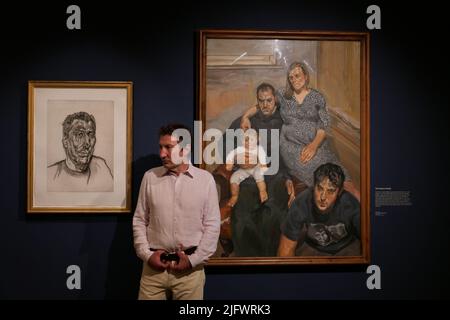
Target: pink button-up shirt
x,y
175,212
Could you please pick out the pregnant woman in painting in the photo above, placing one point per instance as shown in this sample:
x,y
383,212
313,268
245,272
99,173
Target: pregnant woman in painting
x,y
303,143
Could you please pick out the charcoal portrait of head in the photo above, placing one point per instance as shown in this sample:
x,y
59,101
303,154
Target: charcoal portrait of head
x,y
81,170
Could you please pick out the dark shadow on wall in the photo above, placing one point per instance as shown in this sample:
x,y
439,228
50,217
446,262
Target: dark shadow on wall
x,y
124,267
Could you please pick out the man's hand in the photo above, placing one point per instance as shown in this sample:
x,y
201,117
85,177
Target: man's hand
x,y
245,123
155,261
182,265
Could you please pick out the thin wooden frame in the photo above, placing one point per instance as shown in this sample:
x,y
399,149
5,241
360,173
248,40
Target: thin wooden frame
x,y
266,62
107,188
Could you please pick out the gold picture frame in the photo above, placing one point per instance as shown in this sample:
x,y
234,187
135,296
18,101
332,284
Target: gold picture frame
x,y
79,146
232,63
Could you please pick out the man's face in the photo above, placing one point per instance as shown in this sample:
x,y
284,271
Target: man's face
x,y
80,143
325,195
170,152
266,102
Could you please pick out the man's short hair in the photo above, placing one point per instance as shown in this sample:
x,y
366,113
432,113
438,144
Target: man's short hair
x,y
331,171
67,124
171,127
265,87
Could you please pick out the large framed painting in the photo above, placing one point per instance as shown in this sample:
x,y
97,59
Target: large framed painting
x,y
79,146
285,133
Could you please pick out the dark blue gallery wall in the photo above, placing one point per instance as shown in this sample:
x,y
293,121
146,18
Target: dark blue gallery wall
x,y
155,48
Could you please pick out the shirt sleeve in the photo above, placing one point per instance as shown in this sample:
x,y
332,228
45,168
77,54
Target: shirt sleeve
x,y
294,222
211,227
140,222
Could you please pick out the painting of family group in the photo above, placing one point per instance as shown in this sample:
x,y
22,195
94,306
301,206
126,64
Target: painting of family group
x,y
293,189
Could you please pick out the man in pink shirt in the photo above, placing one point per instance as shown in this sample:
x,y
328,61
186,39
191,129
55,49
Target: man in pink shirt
x,y
176,224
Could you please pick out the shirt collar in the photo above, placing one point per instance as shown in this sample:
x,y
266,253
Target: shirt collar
x,y
189,172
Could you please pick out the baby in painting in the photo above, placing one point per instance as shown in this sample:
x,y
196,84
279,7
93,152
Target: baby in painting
x,y
251,160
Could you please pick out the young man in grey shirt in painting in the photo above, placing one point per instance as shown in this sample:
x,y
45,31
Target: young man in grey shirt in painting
x,y
329,216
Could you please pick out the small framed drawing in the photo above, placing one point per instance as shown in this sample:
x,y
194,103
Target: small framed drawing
x,y
306,96
79,146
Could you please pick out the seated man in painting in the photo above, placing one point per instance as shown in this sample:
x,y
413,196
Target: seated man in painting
x,y
323,220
